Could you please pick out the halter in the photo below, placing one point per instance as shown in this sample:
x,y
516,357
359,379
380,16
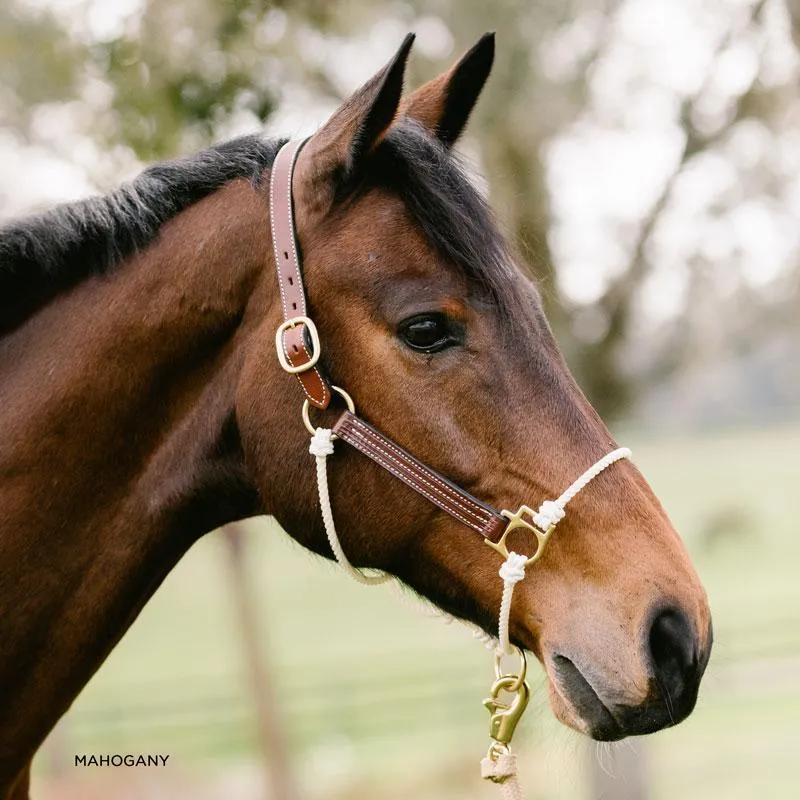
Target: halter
x,y
299,348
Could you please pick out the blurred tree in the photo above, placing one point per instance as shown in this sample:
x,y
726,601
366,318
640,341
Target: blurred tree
x,y
39,63
514,137
272,731
186,67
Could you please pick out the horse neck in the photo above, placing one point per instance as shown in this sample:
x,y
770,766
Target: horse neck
x,y
119,450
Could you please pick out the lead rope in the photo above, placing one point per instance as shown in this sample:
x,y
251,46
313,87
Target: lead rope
x,y
500,764
502,770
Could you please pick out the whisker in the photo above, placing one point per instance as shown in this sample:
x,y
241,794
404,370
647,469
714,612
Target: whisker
x,y
607,768
667,700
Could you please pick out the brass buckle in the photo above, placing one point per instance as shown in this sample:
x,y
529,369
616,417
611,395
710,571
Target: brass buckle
x,y
316,348
515,521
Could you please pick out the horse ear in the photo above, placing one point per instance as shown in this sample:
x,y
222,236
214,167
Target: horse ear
x,y
360,123
443,105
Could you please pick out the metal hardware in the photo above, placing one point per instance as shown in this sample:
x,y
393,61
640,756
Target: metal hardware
x,y
343,394
316,348
519,674
515,521
495,751
506,716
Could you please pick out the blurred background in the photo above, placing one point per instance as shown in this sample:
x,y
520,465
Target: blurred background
x,y
644,156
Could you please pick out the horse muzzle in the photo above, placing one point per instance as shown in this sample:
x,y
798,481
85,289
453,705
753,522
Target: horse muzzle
x,y
602,702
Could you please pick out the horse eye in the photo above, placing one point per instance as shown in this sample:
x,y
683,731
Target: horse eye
x,y
427,333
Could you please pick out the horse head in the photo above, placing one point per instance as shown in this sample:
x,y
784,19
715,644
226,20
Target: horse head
x,y
427,321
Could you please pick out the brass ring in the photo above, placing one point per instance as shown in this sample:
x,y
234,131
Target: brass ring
x,y
343,394
497,749
523,668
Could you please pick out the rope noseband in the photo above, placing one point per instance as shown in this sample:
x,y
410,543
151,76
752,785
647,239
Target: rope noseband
x,y
299,348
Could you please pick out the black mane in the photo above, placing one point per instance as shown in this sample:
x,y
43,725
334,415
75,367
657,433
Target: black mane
x,y
51,252
47,253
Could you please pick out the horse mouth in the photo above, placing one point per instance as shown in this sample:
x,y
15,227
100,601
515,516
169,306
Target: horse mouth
x,y
579,705
580,698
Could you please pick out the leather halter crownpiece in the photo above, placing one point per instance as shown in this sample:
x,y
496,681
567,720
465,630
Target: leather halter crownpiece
x,y
290,339
294,356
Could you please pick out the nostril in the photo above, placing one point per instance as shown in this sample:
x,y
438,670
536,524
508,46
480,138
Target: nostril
x,y
673,650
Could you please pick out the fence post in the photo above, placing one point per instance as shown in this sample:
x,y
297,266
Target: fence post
x,y
272,739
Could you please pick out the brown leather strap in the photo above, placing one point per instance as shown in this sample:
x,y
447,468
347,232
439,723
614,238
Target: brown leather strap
x,y
441,492
294,355
291,337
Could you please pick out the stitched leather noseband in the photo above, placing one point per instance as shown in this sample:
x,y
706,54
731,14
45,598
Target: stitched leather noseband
x,y
298,347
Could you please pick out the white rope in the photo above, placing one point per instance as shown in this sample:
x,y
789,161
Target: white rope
x,y
551,512
321,447
512,571
503,771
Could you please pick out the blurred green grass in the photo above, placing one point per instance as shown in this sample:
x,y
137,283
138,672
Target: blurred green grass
x,y
363,680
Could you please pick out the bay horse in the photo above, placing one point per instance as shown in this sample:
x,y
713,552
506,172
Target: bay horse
x,y
142,405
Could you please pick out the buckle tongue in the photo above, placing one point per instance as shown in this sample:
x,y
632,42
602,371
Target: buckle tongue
x,y
316,348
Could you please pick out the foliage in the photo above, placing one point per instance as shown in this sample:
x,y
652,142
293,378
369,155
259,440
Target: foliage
x,y
39,63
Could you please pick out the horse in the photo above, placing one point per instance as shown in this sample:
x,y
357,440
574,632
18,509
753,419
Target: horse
x,y
143,406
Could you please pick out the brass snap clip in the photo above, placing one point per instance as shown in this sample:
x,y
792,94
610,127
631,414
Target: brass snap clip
x,y
506,714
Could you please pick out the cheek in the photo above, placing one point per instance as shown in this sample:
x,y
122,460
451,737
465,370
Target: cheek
x,y
360,353
445,408
363,354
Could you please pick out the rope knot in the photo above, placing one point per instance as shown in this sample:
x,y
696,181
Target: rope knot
x,y
512,570
321,442
500,769
549,513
